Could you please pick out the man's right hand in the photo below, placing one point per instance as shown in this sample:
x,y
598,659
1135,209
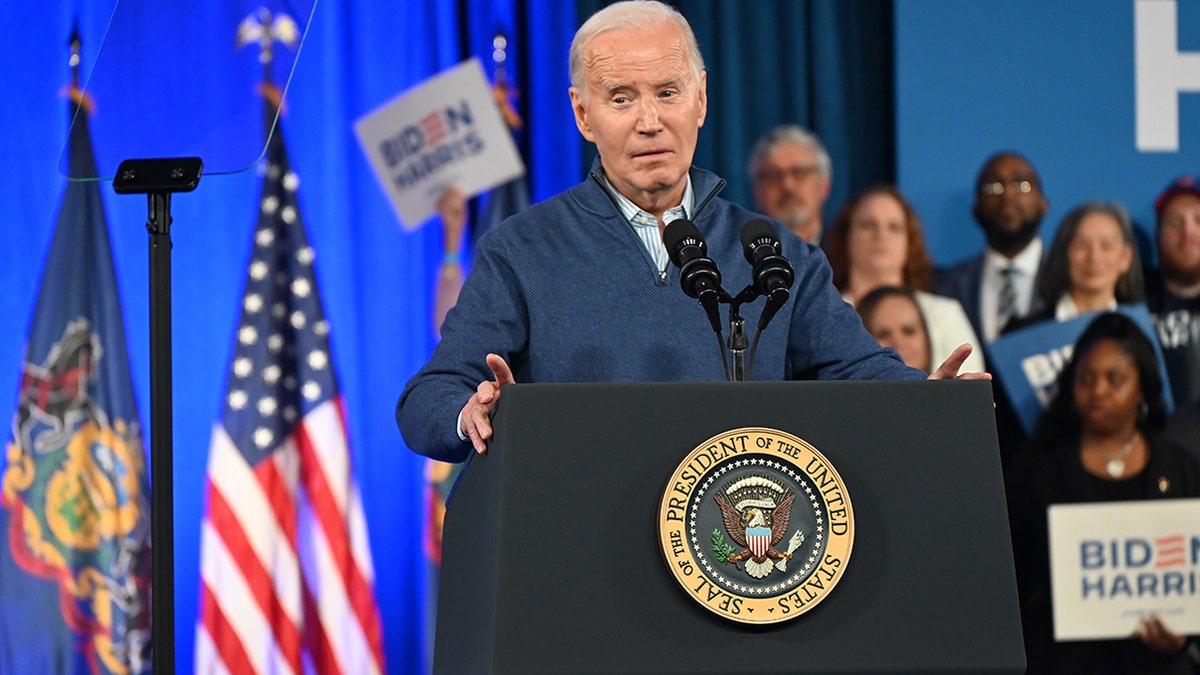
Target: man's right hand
x,y
477,413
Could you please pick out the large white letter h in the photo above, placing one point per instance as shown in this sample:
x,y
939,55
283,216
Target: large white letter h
x,y
1162,72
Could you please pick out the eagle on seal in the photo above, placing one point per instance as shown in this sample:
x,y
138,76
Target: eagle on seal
x,y
757,522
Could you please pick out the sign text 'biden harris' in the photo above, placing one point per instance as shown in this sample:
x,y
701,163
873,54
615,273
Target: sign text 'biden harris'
x,y
446,131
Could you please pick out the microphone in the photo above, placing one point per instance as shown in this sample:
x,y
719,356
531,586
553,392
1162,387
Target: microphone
x,y
773,274
698,274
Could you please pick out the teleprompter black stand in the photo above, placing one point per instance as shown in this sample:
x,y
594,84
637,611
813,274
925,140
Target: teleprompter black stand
x,y
159,179
551,562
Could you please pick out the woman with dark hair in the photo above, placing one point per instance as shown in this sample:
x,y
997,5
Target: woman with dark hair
x,y
1092,265
1099,440
876,240
891,314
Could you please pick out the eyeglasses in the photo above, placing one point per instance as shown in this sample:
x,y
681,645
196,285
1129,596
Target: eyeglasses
x,y
796,173
995,188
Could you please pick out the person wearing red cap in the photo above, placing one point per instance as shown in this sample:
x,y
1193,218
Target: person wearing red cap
x,y
1173,293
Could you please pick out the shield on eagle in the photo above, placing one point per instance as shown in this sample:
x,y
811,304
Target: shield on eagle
x,y
758,540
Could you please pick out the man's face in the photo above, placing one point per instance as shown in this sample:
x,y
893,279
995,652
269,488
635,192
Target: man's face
x,y
789,187
1179,239
1009,203
641,105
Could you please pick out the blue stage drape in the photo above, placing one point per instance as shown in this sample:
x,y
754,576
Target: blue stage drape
x,y
377,277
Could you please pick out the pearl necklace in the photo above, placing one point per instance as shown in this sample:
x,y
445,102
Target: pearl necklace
x,y
1115,462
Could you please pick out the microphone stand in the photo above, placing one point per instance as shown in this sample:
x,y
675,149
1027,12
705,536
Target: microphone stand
x,y
737,331
737,346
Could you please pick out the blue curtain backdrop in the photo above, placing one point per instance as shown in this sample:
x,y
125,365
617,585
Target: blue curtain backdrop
x,y
769,62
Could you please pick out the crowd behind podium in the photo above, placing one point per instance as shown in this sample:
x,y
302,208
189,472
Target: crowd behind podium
x,y
1107,433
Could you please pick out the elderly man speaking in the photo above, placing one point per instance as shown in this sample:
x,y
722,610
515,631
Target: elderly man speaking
x,y
579,288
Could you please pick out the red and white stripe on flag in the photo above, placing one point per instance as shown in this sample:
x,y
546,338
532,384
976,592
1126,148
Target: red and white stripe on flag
x,y
285,564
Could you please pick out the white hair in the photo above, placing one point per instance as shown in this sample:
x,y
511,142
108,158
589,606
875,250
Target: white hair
x,y
631,15
789,133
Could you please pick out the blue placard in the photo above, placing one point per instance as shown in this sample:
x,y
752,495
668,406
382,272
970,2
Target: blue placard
x,y
1028,361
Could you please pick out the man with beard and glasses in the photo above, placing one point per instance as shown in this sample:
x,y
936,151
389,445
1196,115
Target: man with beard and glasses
x,y
996,286
1173,292
792,174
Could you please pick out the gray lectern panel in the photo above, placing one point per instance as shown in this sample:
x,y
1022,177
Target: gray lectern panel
x,y
552,564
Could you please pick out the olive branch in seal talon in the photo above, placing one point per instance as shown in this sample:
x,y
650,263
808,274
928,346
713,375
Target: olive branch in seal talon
x,y
722,548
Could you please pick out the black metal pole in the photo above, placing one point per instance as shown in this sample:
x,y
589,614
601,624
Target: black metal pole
x,y
162,538
158,179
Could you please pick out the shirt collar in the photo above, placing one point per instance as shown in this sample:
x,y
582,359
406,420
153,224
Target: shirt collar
x,y
1066,308
1026,262
635,215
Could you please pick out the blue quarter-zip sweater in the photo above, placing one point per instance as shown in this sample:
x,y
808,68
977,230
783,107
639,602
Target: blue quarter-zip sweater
x,y
566,292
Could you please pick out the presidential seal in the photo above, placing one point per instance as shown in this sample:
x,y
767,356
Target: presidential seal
x,y
756,525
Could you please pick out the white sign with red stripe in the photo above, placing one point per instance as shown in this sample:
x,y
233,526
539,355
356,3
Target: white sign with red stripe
x,y
1113,563
446,131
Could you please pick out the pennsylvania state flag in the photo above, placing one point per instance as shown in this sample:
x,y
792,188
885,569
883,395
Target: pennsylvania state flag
x,y
75,553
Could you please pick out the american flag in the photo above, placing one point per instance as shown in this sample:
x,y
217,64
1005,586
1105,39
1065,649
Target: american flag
x,y
285,563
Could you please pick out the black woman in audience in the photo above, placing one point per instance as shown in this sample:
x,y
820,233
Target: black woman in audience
x,y
1099,440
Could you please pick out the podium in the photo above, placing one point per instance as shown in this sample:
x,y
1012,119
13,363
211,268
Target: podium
x,y
552,564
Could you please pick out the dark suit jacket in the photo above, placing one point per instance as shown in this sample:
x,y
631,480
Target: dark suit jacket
x,y
963,282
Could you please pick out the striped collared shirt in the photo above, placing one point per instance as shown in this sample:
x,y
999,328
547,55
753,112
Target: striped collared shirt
x,y
645,226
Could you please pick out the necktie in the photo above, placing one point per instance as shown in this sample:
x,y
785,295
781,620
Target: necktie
x,y
1007,306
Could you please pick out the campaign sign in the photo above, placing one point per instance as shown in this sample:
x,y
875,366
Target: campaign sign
x,y
1113,563
446,131
1028,361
